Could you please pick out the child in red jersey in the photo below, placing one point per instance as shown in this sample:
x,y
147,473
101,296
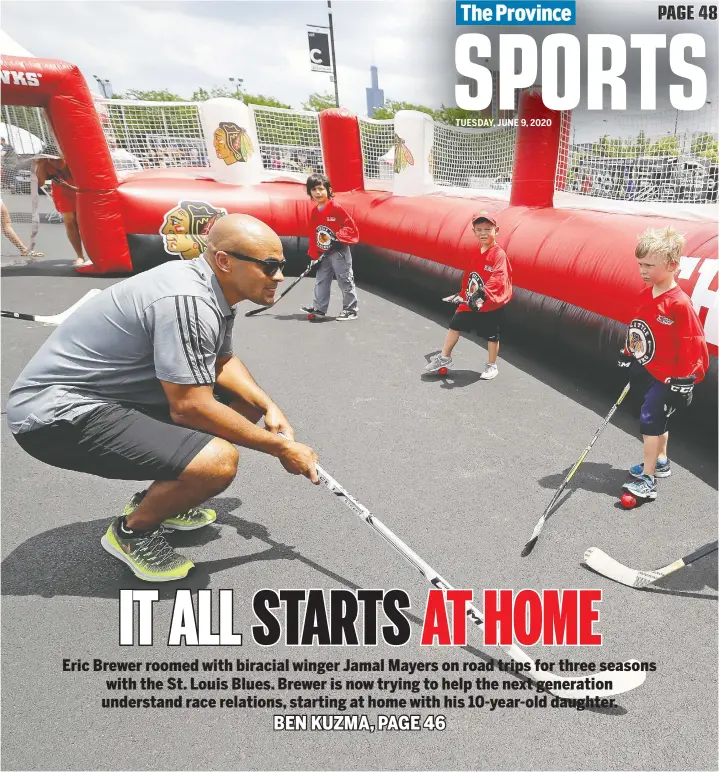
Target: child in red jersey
x,y
665,353
332,231
486,290
63,195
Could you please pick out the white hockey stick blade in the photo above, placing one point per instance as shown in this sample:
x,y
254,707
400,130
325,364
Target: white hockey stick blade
x,y
604,564
631,577
59,318
622,681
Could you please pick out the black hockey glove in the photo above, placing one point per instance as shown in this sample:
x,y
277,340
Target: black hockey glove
x,y
624,362
681,391
476,299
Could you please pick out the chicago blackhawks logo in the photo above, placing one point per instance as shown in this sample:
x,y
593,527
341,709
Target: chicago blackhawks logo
x,y
324,237
402,157
640,341
184,229
232,143
474,282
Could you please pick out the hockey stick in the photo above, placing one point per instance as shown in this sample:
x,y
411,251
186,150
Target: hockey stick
x,y
612,569
58,318
304,273
622,681
529,546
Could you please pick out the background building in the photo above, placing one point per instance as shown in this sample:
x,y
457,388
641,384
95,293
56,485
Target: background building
x,y
375,95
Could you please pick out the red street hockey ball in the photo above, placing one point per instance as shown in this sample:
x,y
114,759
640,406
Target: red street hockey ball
x,y
628,501
311,317
443,371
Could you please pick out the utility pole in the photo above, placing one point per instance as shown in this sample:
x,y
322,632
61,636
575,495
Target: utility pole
x,y
105,86
237,85
332,48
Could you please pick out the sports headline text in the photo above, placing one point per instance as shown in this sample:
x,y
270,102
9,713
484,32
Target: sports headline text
x,y
608,59
364,617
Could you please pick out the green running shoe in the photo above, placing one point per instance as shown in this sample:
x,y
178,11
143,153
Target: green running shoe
x,y
194,518
149,556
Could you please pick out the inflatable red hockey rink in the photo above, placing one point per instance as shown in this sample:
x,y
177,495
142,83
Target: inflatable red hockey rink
x,y
580,257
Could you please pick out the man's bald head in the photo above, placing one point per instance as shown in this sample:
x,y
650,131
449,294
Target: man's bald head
x,y
244,234
237,235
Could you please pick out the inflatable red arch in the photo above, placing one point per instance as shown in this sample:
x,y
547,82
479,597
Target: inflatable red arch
x,y
579,260
61,89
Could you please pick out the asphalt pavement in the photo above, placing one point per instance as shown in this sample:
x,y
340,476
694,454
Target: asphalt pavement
x,y
460,469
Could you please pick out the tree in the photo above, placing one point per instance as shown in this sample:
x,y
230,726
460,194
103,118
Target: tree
x,y
601,148
202,95
162,95
265,101
391,107
445,114
705,145
318,102
664,146
451,115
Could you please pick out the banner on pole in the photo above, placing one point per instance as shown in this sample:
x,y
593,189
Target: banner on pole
x,y
319,40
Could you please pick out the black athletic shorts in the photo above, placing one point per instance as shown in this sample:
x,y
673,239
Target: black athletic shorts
x,y
119,442
486,324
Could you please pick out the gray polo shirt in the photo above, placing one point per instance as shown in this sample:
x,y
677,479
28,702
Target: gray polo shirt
x,y
170,323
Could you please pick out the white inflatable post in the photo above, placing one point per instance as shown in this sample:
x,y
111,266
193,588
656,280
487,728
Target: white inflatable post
x,y
414,134
231,138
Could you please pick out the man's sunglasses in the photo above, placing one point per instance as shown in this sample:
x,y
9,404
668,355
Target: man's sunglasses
x,y
269,266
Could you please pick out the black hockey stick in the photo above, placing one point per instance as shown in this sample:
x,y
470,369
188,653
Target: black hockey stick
x,y
58,318
613,569
529,546
304,273
622,681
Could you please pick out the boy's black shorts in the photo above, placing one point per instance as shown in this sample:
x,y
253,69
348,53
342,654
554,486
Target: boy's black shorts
x,y
485,324
653,395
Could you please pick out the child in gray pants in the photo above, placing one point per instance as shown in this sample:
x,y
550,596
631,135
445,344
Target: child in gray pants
x,y
332,231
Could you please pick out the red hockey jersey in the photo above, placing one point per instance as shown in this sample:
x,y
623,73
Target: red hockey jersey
x,y
330,222
493,271
667,337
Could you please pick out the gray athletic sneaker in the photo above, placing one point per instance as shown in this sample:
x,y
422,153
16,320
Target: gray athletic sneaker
x,y
438,362
642,487
148,555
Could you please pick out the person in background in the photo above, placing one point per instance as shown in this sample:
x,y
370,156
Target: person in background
x,y
63,195
9,233
9,161
122,159
332,230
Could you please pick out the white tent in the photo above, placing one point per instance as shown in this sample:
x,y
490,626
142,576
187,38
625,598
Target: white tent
x,y
10,47
23,142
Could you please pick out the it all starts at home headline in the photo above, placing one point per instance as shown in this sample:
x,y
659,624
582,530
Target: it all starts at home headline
x,y
561,55
364,617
